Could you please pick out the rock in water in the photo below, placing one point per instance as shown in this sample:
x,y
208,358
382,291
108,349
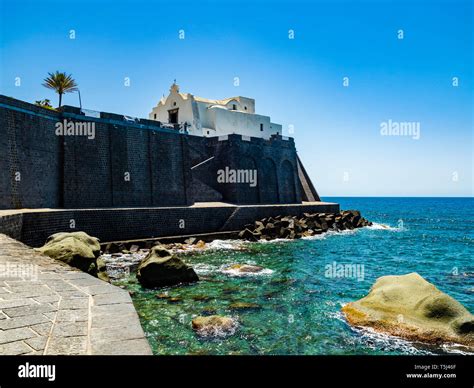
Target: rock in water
x,y
200,244
244,306
160,269
214,325
410,307
102,270
77,249
246,268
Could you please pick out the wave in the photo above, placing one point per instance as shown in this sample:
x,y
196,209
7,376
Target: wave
x,y
204,269
375,340
120,265
225,269
241,244
322,236
275,240
330,233
225,244
382,341
457,349
377,226
214,245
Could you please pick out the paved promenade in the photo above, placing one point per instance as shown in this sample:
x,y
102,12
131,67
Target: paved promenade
x,y
47,307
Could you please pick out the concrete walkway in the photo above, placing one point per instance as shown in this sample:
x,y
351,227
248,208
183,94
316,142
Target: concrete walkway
x,y
47,307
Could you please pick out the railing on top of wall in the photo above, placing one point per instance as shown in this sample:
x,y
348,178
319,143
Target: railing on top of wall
x,y
91,113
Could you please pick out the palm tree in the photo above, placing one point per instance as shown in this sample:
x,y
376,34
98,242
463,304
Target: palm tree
x,y
61,83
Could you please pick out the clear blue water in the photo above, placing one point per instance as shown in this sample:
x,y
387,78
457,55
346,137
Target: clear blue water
x,y
299,307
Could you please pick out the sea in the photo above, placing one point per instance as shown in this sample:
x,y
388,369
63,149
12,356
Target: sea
x,y
293,307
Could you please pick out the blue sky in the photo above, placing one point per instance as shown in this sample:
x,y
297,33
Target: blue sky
x,y
297,82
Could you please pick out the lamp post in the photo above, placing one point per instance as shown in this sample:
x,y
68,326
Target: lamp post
x,y
80,102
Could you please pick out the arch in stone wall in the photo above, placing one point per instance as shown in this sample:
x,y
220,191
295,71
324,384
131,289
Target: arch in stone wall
x,y
287,183
268,181
248,191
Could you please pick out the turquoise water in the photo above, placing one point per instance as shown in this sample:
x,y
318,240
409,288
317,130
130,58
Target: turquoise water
x,y
299,306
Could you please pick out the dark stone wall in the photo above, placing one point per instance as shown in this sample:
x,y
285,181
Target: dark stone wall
x,y
274,160
131,163
87,170
268,181
171,177
125,165
29,164
33,228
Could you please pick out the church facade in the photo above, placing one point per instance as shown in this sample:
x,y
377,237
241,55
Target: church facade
x,y
208,118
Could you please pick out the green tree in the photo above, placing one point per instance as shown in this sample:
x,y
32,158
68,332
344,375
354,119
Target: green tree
x,y
61,83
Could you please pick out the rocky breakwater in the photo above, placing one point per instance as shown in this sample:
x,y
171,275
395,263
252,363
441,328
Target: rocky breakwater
x,y
410,307
293,227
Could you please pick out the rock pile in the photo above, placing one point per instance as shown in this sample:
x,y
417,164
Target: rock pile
x,y
292,227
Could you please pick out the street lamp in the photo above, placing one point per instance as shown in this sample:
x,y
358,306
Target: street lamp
x,y
80,102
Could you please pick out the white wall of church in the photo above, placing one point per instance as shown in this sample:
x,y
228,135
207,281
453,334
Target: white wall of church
x,y
174,101
227,122
206,119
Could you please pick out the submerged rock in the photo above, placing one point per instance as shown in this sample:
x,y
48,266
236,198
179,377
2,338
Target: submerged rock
x,y
214,325
201,298
410,307
200,244
244,306
77,249
245,268
161,268
210,310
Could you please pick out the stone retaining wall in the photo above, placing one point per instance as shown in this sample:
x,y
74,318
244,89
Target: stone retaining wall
x,y
33,227
132,163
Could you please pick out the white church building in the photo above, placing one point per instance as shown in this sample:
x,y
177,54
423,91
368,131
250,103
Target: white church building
x,y
203,117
